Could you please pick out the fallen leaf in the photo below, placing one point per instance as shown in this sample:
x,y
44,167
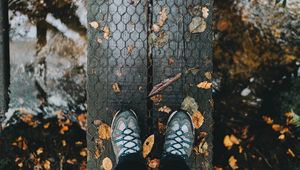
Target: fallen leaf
x,y
164,84
47,165
223,25
193,70
82,120
161,39
231,140
281,137
198,119
190,105
290,152
71,161
83,152
39,150
157,98
197,25
107,164
233,163
267,119
208,75
130,49
116,88
163,16
276,127
134,2
106,32
218,168
64,143
205,11
46,126
204,85
164,109
154,163
94,24
104,131
148,144
202,148
241,149
155,28
161,127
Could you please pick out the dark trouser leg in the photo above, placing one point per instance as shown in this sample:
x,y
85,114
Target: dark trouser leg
x,y
132,161
173,162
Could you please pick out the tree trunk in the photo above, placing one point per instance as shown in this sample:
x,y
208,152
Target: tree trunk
x,y
4,58
136,45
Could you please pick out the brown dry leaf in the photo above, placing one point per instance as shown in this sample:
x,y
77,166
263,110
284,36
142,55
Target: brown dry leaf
x,y
276,127
78,142
233,163
190,105
162,39
198,119
290,152
21,143
104,131
94,24
161,127
155,28
130,49
39,150
157,98
163,16
234,139
116,88
202,148
148,144
19,162
218,168
154,163
165,109
107,164
47,165
197,25
63,129
208,75
204,85
205,12
106,32
268,120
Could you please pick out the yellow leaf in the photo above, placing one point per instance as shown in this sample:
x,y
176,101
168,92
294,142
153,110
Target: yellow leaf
x,y
107,164
233,163
39,150
147,146
204,85
281,137
116,88
231,140
198,119
47,165
83,152
104,131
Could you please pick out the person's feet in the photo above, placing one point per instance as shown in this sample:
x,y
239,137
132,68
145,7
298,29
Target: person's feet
x,y
125,134
179,135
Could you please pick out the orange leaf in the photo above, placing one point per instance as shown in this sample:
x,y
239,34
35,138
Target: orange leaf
x,y
233,163
147,146
231,140
198,119
276,127
107,164
164,109
204,85
47,165
116,88
104,131
154,163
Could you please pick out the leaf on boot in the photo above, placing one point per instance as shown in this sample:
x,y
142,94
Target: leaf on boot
x,y
147,146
